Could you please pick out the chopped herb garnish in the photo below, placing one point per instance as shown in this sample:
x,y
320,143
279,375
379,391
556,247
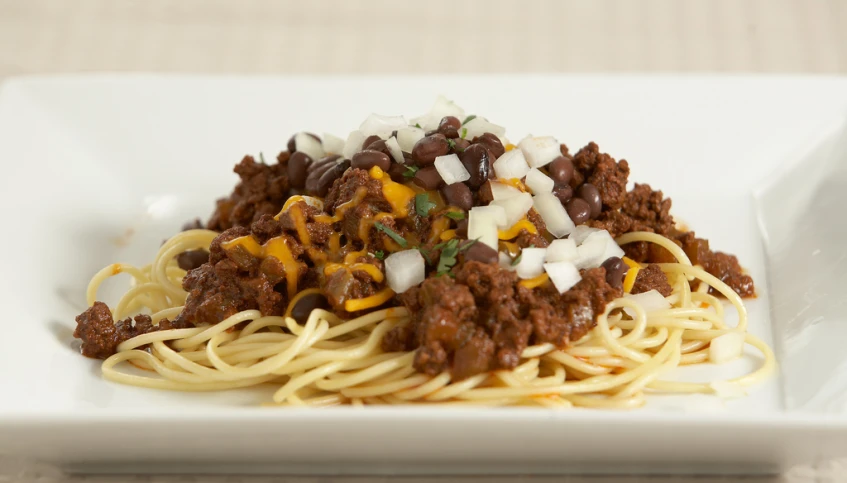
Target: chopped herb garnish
x,y
425,254
469,244
418,125
517,260
451,143
410,171
455,215
392,234
464,132
262,157
469,119
379,254
422,204
448,256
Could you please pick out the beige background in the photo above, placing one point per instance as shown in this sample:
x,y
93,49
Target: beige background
x,y
434,36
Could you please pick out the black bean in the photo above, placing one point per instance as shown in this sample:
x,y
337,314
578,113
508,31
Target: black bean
x,y
578,210
561,170
564,193
458,195
591,195
449,126
370,140
459,145
191,259
615,271
484,193
368,158
298,168
480,252
462,228
397,172
329,177
429,148
291,144
491,142
428,178
307,303
477,160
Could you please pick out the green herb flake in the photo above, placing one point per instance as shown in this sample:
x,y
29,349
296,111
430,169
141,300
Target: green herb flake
x,y
469,119
425,254
448,256
262,157
422,204
392,234
455,215
517,260
451,143
464,132
410,171
418,125
379,255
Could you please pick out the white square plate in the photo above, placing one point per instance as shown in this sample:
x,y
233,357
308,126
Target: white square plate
x,y
100,169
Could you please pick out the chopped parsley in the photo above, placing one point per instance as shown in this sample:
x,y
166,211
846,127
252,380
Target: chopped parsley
x,y
455,215
422,204
451,143
418,125
449,250
469,119
464,132
410,171
517,260
392,234
379,254
262,157
425,254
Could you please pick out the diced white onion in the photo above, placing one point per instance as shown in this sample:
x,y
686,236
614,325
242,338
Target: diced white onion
x,y
561,250
404,270
382,126
539,151
353,144
728,390
451,169
512,164
309,200
515,207
442,108
497,213
553,213
564,275
308,145
532,262
394,149
479,126
505,261
580,233
539,182
408,136
482,226
649,301
333,144
501,191
726,347
596,249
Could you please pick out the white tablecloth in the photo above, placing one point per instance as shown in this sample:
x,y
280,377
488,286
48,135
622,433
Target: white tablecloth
x,y
436,36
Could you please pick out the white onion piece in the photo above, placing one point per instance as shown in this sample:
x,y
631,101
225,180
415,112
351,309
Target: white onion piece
x,y
309,200
497,213
596,249
404,270
482,226
649,301
564,275
538,182
515,207
728,390
580,233
308,145
333,144
442,108
532,262
511,164
479,126
505,261
408,136
353,144
553,213
561,250
451,169
394,149
382,126
501,191
539,151
726,347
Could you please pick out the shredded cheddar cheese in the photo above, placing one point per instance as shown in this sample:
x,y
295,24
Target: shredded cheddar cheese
x,y
515,230
535,281
631,275
276,248
374,300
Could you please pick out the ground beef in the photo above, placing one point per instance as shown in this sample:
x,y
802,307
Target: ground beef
x,y
601,170
526,239
319,232
483,319
234,280
652,278
101,336
343,285
262,190
356,184
722,265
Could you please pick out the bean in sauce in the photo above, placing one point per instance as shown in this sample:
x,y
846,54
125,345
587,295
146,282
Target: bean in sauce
x,y
491,142
370,140
591,195
458,195
449,126
369,158
298,167
615,271
292,145
428,178
480,252
564,193
578,210
561,170
477,160
307,303
429,148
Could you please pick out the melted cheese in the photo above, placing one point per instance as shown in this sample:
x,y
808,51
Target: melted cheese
x,y
276,248
447,235
535,281
374,300
515,230
397,195
631,275
374,272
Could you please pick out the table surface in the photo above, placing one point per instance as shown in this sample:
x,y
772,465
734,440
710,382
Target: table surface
x,y
437,36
